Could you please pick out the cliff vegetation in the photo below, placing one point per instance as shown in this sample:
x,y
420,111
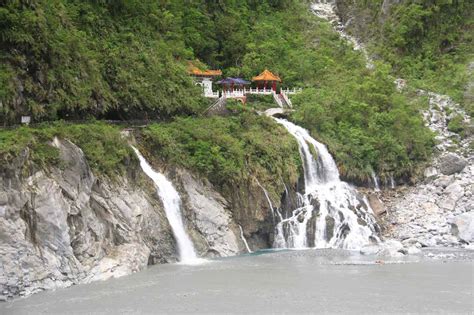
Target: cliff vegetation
x,y
82,60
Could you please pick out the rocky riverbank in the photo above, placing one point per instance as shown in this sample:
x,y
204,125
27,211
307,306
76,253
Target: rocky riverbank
x,y
439,210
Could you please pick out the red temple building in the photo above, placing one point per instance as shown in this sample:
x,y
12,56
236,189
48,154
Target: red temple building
x,y
238,88
266,79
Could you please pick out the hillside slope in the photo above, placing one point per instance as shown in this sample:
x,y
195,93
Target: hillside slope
x,y
429,43
121,60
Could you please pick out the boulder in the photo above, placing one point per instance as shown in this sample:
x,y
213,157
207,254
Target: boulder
x,y
452,194
443,181
389,248
430,207
451,163
430,172
370,250
376,205
454,191
462,226
393,245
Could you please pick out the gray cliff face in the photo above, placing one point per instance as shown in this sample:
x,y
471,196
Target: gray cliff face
x,y
210,221
438,211
252,209
357,20
64,226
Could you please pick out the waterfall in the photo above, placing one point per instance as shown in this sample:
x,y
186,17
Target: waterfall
x,y
279,241
376,181
392,182
244,239
172,204
330,213
265,192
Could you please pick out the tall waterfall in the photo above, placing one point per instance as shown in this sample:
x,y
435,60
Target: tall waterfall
x,y
330,213
172,204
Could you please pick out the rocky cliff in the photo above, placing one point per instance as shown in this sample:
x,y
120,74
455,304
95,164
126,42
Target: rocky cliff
x,y
64,225
439,210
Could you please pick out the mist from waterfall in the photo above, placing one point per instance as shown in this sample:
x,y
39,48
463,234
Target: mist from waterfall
x,y
330,213
172,205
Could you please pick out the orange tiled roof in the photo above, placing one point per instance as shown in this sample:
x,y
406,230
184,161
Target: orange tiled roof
x,y
266,76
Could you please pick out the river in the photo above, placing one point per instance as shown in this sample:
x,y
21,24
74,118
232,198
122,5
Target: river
x,y
316,281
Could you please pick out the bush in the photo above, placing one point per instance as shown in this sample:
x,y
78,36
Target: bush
x,y
104,148
226,150
456,124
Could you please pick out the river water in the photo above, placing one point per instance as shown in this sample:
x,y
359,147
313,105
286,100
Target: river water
x,y
316,281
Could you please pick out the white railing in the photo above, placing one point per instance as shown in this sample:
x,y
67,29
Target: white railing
x,y
256,91
277,99
211,94
234,93
291,91
287,99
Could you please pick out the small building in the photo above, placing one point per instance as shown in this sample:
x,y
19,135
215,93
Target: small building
x,y
234,88
266,78
238,88
204,78
229,84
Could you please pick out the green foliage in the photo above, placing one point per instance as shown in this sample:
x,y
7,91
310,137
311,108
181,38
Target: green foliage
x,y
367,126
105,150
427,42
456,124
366,123
117,59
235,106
127,59
260,102
227,150
38,141
76,59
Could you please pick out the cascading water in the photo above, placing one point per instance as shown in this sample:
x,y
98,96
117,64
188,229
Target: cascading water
x,y
242,236
375,179
279,239
270,204
330,213
172,204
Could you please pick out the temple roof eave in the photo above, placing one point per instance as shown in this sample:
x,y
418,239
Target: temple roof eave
x,y
266,76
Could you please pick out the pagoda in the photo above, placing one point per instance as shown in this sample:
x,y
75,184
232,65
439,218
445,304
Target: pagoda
x,y
266,78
